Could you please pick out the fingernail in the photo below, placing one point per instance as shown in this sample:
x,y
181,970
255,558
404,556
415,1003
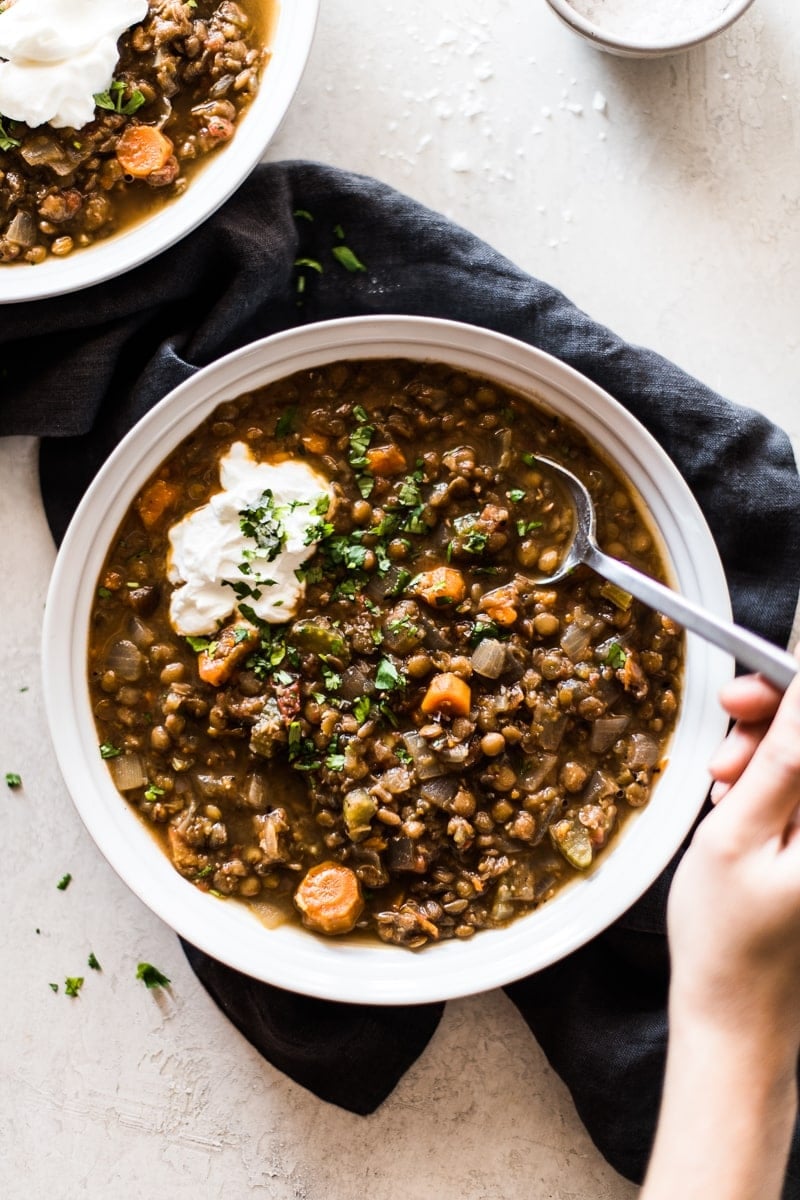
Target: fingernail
x,y
718,790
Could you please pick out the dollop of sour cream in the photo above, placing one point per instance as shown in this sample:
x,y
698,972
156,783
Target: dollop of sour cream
x,y
58,55
216,564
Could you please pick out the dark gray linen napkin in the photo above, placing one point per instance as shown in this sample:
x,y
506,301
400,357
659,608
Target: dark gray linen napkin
x,y
78,371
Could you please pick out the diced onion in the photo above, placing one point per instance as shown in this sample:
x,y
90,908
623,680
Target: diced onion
x,y
127,772
489,658
125,661
598,787
536,772
439,791
553,731
426,763
644,751
605,732
576,641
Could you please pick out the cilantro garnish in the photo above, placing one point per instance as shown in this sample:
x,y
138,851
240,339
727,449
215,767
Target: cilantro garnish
x,y
387,677
361,709
7,142
346,257
72,985
112,99
335,762
615,656
197,643
150,976
53,987
64,882
153,792
109,751
263,525
13,780
524,527
92,961
285,422
516,495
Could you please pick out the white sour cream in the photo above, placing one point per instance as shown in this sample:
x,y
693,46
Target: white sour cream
x,y
58,54
208,548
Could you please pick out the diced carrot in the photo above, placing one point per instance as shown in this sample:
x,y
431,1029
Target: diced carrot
x,y
500,605
386,460
154,501
143,149
329,897
448,694
232,644
315,443
440,587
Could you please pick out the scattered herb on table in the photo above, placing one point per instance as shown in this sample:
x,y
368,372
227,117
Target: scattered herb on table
x,y
13,780
53,987
92,961
150,976
72,985
64,882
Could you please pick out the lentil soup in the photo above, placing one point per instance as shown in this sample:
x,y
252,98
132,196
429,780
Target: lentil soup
x,y
185,76
417,741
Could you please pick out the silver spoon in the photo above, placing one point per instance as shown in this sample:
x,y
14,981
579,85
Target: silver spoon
x,y
776,665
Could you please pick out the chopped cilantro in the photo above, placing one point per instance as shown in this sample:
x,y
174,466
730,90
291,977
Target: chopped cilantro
x,y
302,214
475,542
361,709
263,525
285,422
360,439
483,629
516,495
64,882
529,459
331,679
153,792
345,256
92,961
53,987
150,976
335,762
112,99
198,643
524,527
73,984
387,677
13,780
615,656
313,263
103,593
339,232
109,751
7,142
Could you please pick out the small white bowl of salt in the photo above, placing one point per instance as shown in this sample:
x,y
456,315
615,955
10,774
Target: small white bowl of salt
x,y
648,28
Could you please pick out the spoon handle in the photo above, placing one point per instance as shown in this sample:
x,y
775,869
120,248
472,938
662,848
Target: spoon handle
x,y
776,665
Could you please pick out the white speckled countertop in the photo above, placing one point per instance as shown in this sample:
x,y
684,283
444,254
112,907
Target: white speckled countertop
x,y
664,198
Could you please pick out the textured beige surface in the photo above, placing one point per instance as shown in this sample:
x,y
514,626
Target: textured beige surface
x,y
663,198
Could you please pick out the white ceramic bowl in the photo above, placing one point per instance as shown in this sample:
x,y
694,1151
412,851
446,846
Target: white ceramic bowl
x,y
609,37
353,970
216,181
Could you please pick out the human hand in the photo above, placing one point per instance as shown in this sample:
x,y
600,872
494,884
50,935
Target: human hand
x,y
734,908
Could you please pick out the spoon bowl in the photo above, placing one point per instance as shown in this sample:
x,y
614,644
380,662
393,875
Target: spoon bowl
x,y
755,652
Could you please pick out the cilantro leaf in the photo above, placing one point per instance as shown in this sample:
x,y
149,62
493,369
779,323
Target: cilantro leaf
x,y
13,780
64,882
72,985
150,976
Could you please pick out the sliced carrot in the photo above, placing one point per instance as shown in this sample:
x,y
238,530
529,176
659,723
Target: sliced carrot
x,y
329,897
315,443
154,501
441,587
500,605
232,644
447,694
386,460
143,149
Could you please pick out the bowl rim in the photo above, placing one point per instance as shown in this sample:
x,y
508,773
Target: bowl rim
x,y
596,34
290,957
290,41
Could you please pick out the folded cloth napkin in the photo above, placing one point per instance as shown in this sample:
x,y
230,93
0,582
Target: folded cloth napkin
x,y
80,370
